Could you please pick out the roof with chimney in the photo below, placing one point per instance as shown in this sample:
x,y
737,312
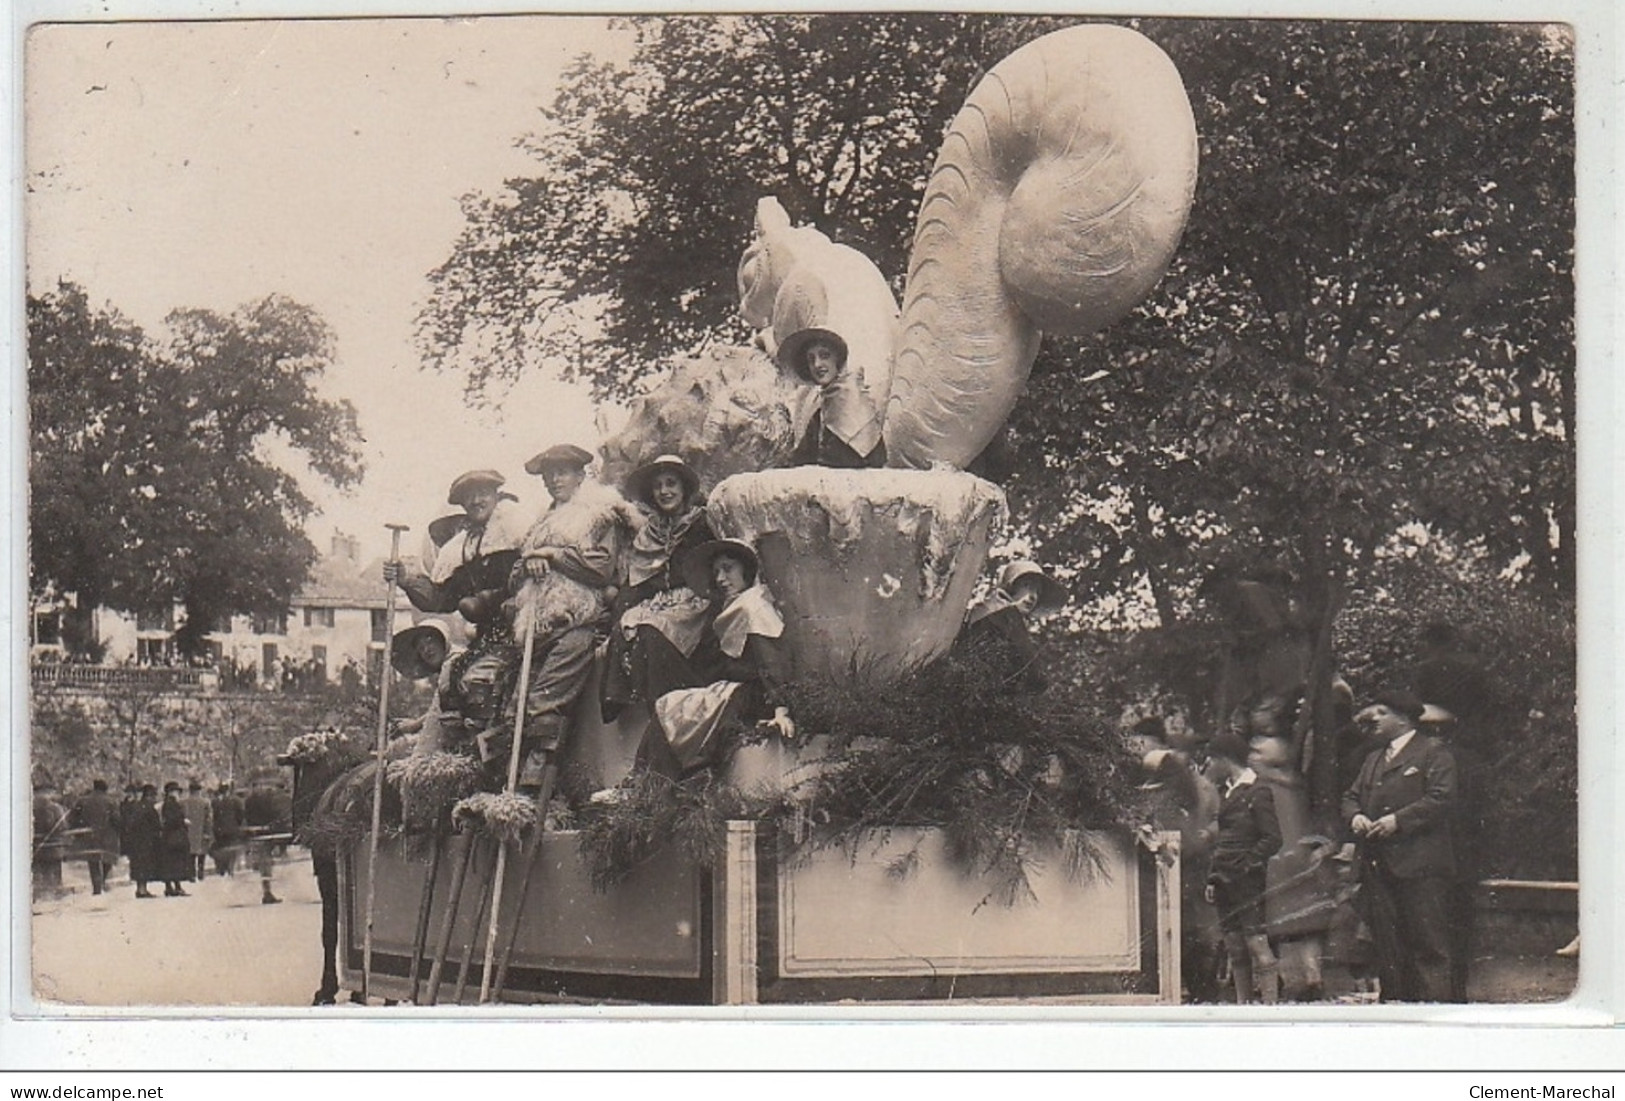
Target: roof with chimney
x,y
340,580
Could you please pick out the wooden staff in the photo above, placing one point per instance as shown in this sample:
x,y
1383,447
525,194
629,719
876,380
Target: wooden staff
x,y
550,773
420,935
484,895
378,777
448,923
530,615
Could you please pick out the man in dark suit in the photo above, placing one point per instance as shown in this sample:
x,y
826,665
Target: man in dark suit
x,y
96,812
1399,809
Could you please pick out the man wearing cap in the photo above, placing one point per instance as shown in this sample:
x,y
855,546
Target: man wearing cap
x,y
996,631
571,564
1399,809
467,558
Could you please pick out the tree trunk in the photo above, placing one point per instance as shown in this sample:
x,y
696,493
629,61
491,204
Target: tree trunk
x,y
1316,729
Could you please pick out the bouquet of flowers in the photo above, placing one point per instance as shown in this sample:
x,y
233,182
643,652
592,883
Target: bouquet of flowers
x,y
315,747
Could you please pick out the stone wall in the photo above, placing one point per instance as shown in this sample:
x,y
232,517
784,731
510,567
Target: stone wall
x,y
119,733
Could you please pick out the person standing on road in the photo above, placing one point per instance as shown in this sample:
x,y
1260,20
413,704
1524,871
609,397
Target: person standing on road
x,y
227,812
199,828
96,812
1399,810
267,815
143,830
174,857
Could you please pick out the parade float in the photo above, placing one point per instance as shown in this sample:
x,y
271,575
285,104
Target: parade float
x,y
1055,205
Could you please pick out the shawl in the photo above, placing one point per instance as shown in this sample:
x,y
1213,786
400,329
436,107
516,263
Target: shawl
x,y
656,541
849,413
752,612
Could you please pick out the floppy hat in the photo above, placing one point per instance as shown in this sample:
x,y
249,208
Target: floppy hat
x,y
403,649
1051,593
639,483
696,567
561,454
473,480
792,351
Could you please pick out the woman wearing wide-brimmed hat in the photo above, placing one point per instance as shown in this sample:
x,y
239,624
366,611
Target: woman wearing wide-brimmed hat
x,y
736,675
656,597
996,632
845,428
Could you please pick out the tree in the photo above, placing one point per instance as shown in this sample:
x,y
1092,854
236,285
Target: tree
x,y
647,178
149,481
1369,325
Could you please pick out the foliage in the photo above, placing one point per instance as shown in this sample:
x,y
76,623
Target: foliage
x,y
1369,322
690,814
1525,734
149,479
1369,325
1004,777
647,177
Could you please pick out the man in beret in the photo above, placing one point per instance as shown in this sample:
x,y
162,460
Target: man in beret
x,y
1399,809
571,564
468,557
465,569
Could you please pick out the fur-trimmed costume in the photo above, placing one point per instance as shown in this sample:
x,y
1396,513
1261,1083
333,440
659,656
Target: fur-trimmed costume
x,y
584,542
465,562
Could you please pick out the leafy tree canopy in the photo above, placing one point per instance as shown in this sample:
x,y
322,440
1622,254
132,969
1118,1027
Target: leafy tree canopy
x,y
647,178
149,479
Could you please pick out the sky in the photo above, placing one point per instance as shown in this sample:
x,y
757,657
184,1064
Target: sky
x,y
209,164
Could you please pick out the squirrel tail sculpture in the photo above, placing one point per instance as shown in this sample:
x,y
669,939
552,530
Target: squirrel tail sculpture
x,y
1055,204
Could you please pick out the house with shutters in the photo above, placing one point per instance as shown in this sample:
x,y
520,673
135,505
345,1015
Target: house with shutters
x,y
336,621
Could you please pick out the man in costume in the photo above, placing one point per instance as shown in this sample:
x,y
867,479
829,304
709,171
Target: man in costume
x,y
466,568
571,565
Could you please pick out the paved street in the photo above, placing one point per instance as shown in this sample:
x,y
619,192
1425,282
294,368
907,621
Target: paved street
x,y
219,947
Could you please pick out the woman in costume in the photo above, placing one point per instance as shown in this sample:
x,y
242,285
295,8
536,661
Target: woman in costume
x,y
656,597
736,675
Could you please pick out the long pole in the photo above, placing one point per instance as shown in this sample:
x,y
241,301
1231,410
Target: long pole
x,y
420,935
549,777
513,782
448,920
378,771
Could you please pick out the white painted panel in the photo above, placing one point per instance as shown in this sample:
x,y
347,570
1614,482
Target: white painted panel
x,y
839,918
